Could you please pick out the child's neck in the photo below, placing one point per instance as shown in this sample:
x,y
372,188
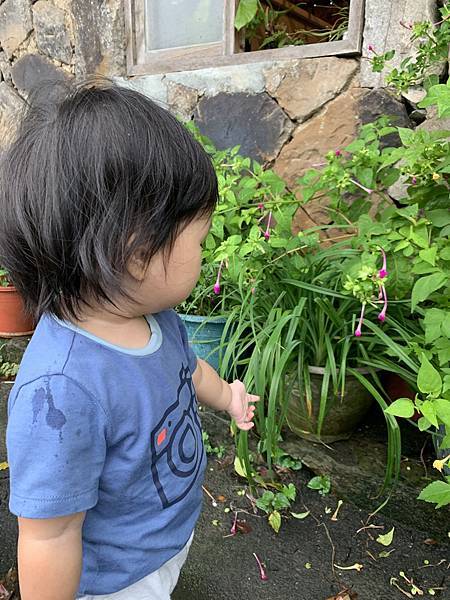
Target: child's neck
x,y
125,330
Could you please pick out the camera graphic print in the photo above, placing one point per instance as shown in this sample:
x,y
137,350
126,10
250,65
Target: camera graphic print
x,y
177,453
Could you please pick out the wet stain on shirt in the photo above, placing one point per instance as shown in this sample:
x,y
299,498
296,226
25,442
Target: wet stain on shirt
x,y
54,418
38,403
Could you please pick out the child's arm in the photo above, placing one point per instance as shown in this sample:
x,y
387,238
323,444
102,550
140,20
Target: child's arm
x,y
50,557
220,395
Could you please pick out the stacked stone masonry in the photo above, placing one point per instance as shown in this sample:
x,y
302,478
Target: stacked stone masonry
x,y
286,114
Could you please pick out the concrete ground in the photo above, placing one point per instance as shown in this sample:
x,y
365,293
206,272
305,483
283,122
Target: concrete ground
x,y
310,559
301,559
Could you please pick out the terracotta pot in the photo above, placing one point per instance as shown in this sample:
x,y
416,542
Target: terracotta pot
x,y
396,387
13,319
343,414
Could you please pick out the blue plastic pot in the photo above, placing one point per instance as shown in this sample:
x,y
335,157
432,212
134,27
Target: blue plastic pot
x,y
205,335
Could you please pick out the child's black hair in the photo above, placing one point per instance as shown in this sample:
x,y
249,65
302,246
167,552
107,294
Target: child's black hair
x,y
91,180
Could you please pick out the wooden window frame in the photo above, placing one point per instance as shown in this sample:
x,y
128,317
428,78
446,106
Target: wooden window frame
x,y
218,54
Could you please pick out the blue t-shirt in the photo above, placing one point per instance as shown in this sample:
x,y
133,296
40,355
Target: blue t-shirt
x,y
114,432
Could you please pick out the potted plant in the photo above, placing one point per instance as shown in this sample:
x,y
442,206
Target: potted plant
x,y
326,402
300,329
13,319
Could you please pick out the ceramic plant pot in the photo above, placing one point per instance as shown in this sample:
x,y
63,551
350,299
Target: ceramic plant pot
x,y
13,319
343,413
205,335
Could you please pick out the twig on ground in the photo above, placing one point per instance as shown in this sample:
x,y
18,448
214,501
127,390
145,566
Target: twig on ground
x,y
371,526
213,500
333,548
393,582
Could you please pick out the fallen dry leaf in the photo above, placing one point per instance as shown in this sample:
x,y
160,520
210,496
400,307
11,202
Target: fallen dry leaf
x,y
221,498
430,542
243,526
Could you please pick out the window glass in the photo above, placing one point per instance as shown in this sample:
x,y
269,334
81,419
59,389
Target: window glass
x,y
181,23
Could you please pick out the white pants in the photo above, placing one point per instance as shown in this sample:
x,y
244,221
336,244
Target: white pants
x,y
156,586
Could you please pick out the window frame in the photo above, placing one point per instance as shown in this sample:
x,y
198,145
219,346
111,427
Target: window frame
x,y
218,54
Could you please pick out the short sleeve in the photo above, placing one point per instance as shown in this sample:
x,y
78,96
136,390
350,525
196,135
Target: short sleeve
x,y
56,442
191,356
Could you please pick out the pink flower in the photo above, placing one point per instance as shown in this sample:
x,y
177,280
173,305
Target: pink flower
x,y
217,284
338,153
361,320
382,315
267,231
261,206
233,529
262,572
414,180
370,48
382,273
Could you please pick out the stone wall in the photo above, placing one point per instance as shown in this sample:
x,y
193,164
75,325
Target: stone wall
x,y
286,114
55,40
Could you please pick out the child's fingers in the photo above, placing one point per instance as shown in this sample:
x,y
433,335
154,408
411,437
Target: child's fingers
x,y
245,426
250,413
253,398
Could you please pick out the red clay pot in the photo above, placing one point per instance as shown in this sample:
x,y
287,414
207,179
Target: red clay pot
x,y
396,388
13,319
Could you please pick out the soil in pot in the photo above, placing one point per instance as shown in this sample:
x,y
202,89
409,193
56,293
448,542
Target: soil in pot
x,y
343,414
13,319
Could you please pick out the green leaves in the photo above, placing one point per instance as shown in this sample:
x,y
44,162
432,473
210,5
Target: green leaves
x,y
428,380
246,12
442,408
275,521
429,412
437,492
425,286
239,467
321,483
438,95
272,503
403,407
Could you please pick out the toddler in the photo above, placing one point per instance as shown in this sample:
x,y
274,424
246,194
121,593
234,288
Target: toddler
x,y
105,200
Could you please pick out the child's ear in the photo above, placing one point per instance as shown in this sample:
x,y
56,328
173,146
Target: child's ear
x,y
137,265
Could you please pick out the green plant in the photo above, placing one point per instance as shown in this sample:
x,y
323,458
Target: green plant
x,y
272,503
243,235
8,370
285,461
4,280
433,39
415,239
218,451
259,16
297,318
321,483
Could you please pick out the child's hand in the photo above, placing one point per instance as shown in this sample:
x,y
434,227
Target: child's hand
x,y
239,408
